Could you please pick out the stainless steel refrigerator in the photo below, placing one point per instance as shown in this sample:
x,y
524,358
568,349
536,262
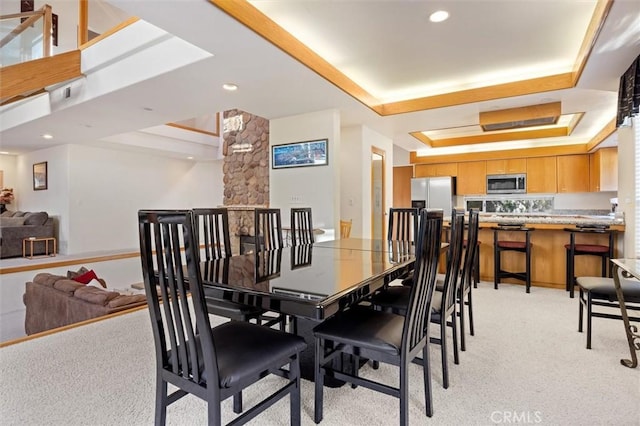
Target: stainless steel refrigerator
x,y
433,193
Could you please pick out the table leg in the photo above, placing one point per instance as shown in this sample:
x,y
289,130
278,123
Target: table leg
x,y
630,330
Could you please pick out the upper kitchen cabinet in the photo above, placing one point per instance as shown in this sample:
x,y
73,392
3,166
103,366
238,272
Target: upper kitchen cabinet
x,y
541,174
433,170
573,173
603,169
472,178
506,166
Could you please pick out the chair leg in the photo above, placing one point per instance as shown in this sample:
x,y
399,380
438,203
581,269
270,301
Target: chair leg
x,y
470,305
356,366
589,312
463,346
443,352
319,381
214,414
294,397
496,266
454,332
528,266
476,268
580,309
162,400
237,403
404,395
426,372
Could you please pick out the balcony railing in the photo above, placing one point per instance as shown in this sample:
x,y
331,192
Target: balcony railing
x,y
25,36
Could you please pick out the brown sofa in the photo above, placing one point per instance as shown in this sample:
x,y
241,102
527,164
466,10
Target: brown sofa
x,y
16,226
54,301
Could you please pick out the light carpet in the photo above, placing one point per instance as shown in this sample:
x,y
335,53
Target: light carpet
x,y
527,364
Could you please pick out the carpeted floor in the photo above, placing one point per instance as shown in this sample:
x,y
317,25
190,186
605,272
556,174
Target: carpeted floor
x,y
527,364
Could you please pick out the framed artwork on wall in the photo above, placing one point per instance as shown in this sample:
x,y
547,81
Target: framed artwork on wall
x,y
300,154
40,176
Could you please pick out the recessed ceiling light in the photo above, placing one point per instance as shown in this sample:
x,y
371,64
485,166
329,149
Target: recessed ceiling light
x,y
230,87
4,152
189,158
47,136
439,16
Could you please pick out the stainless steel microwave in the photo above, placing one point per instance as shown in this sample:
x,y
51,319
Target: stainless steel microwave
x,y
507,184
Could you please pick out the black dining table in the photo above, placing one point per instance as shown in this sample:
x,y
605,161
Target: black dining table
x,y
309,282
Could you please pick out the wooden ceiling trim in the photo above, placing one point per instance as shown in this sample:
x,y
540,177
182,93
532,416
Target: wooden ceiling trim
x,y
602,135
501,137
593,31
545,151
498,91
243,12
552,109
16,80
574,121
422,138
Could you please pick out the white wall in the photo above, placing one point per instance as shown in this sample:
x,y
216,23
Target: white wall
x,y
401,157
317,187
8,164
626,183
357,146
95,193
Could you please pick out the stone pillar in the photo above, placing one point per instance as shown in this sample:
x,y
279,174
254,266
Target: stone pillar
x,y
245,168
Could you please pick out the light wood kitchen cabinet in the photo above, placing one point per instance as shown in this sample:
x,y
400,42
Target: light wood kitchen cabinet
x,y
506,166
541,174
472,178
402,186
573,173
433,170
603,170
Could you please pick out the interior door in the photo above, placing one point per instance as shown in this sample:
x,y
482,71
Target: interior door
x,y
378,212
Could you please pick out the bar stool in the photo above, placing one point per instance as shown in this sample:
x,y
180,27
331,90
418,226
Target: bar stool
x,y
518,246
574,249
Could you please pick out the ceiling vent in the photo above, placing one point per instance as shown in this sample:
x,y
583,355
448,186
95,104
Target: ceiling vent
x,y
518,118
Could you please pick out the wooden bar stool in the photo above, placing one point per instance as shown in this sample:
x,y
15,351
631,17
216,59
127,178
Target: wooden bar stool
x,y
507,245
574,249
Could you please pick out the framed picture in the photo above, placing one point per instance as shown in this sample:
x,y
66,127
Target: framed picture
x,y
300,154
40,176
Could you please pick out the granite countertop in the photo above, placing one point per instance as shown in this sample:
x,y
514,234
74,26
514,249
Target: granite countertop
x,y
556,219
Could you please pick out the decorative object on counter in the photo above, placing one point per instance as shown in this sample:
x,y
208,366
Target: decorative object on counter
x,y
40,178
574,249
500,246
345,228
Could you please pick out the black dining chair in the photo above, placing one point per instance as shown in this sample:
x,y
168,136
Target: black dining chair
x,y
211,233
383,336
268,229
301,226
395,298
212,363
464,296
403,228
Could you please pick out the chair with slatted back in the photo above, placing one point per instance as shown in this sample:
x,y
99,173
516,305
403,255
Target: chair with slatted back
x,y
211,230
268,229
465,298
301,226
403,227
395,298
383,336
192,355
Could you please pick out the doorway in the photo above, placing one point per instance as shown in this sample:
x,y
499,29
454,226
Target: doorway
x,y
378,212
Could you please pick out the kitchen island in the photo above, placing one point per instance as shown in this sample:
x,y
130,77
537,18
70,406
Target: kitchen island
x,y
548,256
